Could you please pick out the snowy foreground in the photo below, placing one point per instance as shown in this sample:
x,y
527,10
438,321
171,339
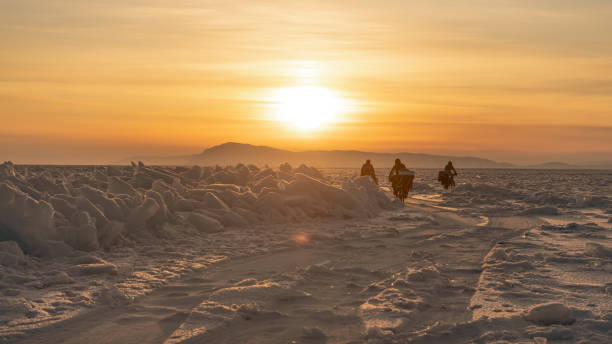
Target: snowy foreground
x,y
295,255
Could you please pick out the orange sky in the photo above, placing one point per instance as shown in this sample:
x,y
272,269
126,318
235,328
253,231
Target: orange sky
x,y
98,81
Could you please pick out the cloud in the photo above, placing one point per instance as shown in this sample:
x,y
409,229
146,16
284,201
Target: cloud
x,y
75,64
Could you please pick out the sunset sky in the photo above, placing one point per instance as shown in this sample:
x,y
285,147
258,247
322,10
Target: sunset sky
x,y
97,81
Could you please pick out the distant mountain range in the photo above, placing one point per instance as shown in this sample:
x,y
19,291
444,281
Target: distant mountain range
x,y
566,166
554,165
231,153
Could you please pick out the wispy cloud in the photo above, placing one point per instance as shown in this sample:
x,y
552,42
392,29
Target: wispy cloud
x,y
144,65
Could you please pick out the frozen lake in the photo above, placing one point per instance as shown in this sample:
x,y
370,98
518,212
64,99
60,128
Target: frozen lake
x,y
245,254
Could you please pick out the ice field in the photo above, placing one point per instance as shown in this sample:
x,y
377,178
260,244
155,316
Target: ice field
x,y
245,254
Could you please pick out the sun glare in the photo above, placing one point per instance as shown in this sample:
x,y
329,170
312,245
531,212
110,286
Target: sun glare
x,y
307,107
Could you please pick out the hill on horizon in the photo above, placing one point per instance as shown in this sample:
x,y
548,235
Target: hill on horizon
x,y
232,153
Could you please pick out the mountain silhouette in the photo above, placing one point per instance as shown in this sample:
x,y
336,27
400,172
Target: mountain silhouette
x,y
231,153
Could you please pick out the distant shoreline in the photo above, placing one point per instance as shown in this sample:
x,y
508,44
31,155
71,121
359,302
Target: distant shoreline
x,y
518,168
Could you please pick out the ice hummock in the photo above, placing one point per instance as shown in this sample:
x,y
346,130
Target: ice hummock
x,y
49,214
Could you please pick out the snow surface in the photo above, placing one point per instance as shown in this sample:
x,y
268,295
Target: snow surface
x,y
235,254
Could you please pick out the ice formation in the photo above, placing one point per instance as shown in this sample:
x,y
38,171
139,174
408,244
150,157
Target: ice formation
x,y
549,314
50,213
246,254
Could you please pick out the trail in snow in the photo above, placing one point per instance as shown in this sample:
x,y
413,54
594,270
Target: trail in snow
x,y
387,277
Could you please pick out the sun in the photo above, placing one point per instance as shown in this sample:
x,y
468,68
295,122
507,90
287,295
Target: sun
x,y
307,107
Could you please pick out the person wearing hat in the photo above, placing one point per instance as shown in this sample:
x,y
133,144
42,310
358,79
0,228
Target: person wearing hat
x,y
451,172
396,169
368,170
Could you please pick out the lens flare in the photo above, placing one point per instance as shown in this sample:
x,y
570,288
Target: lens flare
x,y
301,239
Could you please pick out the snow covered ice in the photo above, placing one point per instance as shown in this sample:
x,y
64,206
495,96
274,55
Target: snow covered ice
x,y
278,255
